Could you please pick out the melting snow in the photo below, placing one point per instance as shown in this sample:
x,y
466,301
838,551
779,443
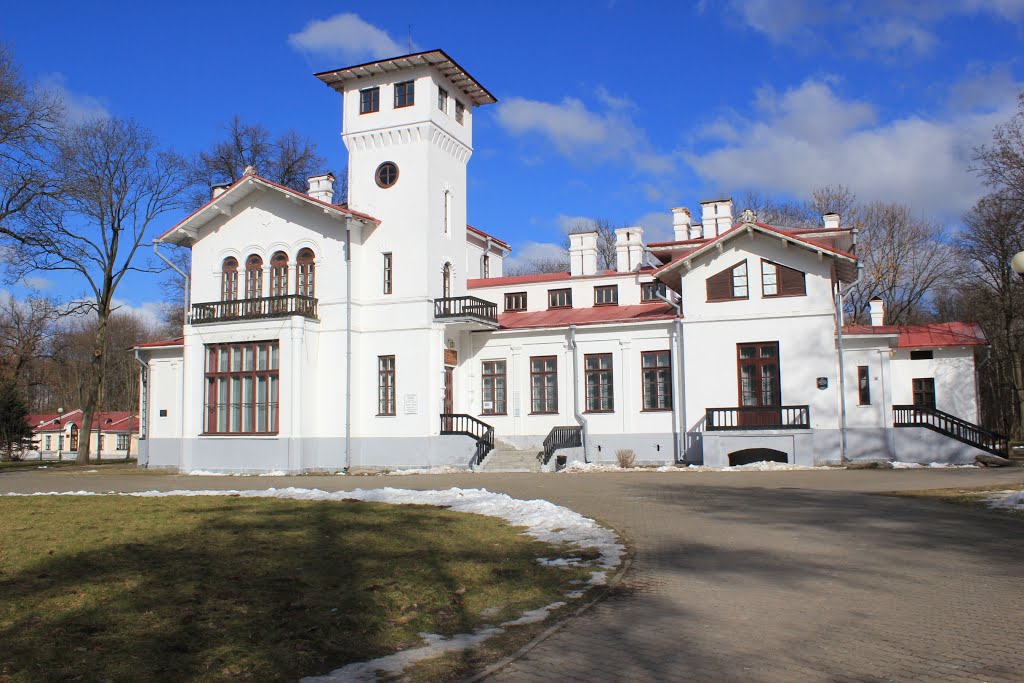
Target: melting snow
x,y
576,466
937,465
1008,500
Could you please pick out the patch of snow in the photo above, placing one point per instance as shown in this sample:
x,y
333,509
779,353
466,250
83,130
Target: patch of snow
x,y
442,469
573,595
90,471
935,465
1007,500
763,466
534,616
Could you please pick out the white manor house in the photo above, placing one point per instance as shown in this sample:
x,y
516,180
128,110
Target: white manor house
x,y
382,333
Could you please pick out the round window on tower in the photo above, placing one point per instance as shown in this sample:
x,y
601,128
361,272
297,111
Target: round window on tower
x,y
387,174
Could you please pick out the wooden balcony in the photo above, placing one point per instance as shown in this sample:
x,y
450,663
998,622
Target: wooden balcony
x,y
253,309
466,309
756,418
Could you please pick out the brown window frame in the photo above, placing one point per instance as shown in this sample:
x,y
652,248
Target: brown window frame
x,y
442,100
646,288
731,279
601,289
233,379
386,402
253,276
305,273
73,445
761,361
405,94
863,385
552,293
229,279
601,382
389,181
446,281
460,112
546,407
788,281
922,389
389,272
279,274
485,268
514,297
662,388
489,369
374,100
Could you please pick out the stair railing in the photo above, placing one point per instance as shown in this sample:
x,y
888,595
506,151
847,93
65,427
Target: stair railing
x,y
951,426
467,425
561,437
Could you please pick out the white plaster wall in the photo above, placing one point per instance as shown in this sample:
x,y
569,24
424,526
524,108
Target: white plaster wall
x,y
582,290
878,413
953,371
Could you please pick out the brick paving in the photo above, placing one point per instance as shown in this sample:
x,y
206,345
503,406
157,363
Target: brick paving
x,y
779,576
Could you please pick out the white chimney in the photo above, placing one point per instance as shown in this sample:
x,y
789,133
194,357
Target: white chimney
x,y
716,216
877,311
831,221
583,253
681,223
321,187
218,190
629,248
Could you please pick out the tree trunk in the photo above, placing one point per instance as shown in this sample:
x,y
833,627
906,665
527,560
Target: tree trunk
x,y
92,393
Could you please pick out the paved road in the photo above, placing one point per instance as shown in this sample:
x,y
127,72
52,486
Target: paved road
x,y
778,576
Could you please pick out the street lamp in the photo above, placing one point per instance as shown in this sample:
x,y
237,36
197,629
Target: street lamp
x,y
1017,263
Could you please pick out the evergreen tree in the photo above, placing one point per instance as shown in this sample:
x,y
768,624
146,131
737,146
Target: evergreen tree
x,y
15,432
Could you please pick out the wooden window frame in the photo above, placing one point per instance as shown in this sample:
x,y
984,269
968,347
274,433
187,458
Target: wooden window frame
x,y
213,378
123,441
923,387
732,283
863,385
305,273
543,373
493,393
786,279
405,94
386,402
602,289
385,183
657,287
662,389
514,297
442,100
485,269
279,274
253,276
389,272
460,112
446,281
552,293
374,100
759,360
599,383
229,279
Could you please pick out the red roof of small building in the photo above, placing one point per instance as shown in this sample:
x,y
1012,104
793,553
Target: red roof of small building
x,y
109,421
177,341
564,317
499,242
935,335
534,277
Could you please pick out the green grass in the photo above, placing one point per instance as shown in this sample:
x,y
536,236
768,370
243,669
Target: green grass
x,y
215,589
972,496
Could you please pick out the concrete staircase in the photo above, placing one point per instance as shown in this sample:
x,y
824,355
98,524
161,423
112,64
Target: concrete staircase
x,y
505,458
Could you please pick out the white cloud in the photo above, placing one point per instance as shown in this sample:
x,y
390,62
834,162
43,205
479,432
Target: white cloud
x,y
151,312
657,226
346,36
78,108
533,251
808,137
583,135
40,284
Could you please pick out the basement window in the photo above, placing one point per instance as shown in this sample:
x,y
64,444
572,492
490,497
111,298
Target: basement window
x,y
922,354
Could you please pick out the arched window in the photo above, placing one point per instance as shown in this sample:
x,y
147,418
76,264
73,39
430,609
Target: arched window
x,y
279,274
253,277
486,266
305,273
229,279
74,437
446,281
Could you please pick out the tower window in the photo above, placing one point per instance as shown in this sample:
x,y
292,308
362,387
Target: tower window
x,y
405,94
442,100
387,273
387,174
460,112
369,100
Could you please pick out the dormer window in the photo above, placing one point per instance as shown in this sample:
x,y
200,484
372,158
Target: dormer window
x,y
405,94
729,284
607,295
780,280
229,279
559,298
460,112
650,291
442,100
369,100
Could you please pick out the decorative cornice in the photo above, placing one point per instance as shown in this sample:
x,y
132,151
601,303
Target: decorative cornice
x,y
424,131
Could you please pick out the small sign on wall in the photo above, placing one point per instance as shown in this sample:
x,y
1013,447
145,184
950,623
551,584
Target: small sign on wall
x,y
451,357
823,382
412,404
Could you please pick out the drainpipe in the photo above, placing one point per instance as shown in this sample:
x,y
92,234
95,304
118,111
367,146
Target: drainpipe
x,y
678,398
348,344
842,293
576,391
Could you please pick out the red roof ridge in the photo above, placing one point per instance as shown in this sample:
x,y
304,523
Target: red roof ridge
x,y
486,234
928,335
177,341
592,315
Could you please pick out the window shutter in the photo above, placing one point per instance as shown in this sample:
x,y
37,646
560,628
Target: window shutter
x,y
791,282
720,286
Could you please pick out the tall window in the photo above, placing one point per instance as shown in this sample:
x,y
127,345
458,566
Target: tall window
x,y
387,272
447,210
649,291
253,277
486,267
305,273
493,387
74,438
122,441
598,370
242,387
607,295
100,443
229,279
515,301
924,393
460,112
442,100
279,274
544,384
759,374
405,94
559,298
863,386
730,283
369,100
385,385
657,379
446,281
48,443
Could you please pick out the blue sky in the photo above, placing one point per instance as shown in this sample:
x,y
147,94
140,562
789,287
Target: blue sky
x,y
613,109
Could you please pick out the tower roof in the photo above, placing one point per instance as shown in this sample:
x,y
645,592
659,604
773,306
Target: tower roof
x,y
448,67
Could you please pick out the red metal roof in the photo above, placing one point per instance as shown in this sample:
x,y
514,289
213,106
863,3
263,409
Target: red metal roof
x,y
535,277
500,243
564,317
177,341
109,421
927,336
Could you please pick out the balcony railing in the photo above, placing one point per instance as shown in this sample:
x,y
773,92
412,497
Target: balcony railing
x,y
251,309
757,418
466,308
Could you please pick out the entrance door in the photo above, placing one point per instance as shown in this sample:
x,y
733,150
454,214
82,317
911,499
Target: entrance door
x,y
759,385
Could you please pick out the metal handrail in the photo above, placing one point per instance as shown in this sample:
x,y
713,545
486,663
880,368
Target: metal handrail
x,y
467,425
561,437
462,307
951,426
250,309
757,418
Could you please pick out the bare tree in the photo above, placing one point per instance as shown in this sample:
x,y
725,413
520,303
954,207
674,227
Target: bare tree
x,y
114,182
605,240
28,121
837,199
775,212
1001,164
26,342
